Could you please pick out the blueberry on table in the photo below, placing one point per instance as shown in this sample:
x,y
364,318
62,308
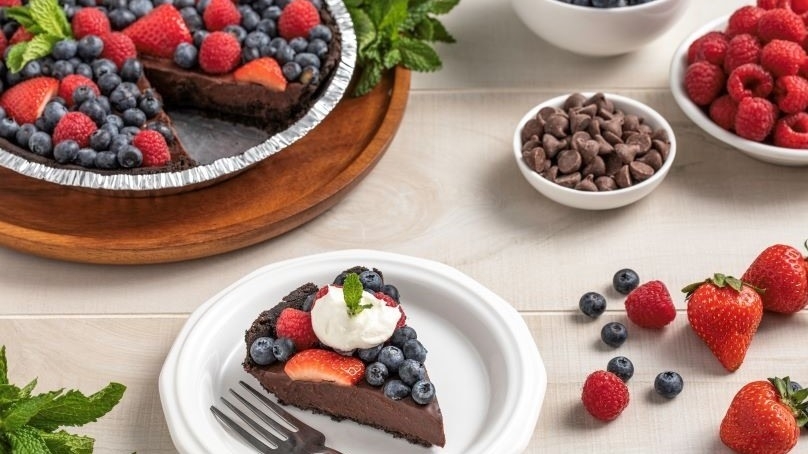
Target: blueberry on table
x,y
592,304
625,281
794,386
261,351
668,384
614,334
621,366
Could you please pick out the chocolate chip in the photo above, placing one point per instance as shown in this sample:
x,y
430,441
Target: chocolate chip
x,y
589,150
531,143
623,177
537,157
594,127
547,112
569,161
579,122
596,167
640,171
605,183
662,147
612,138
578,140
643,141
551,173
569,181
574,100
587,184
613,164
557,125
631,122
533,127
529,159
613,126
653,158
627,153
604,146
552,145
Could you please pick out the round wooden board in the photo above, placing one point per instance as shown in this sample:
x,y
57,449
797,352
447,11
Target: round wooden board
x,y
269,199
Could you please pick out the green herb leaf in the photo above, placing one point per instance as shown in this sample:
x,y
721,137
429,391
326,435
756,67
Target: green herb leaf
x,y
370,76
418,56
48,15
66,443
3,366
75,409
8,394
18,414
14,59
27,440
46,20
40,46
352,291
22,15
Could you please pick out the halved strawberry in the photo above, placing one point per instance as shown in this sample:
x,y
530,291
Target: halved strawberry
x,y
159,32
264,71
324,365
25,101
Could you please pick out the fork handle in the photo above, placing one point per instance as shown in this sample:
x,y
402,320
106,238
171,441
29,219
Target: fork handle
x,y
327,450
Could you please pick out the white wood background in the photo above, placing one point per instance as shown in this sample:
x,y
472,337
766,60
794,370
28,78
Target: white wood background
x,y
448,190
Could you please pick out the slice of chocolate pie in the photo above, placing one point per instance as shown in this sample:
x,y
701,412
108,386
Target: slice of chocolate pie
x,y
345,350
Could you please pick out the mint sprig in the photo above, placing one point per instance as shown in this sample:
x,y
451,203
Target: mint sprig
x,y
352,292
397,32
47,21
28,423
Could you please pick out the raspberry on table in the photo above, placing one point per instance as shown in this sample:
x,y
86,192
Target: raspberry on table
x,y
755,118
782,58
722,112
744,20
781,23
792,131
749,80
742,49
604,395
704,82
791,94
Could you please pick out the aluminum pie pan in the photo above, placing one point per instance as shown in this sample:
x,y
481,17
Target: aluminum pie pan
x,y
164,183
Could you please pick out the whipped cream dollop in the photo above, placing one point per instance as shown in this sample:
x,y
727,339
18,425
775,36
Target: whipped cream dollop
x,y
337,329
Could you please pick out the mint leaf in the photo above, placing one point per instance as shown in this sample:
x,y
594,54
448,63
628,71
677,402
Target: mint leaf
x,y
418,56
27,440
22,15
352,291
27,389
75,409
442,6
8,393
19,413
40,46
66,443
3,367
439,32
370,76
49,16
394,15
46,20
365,30
14,58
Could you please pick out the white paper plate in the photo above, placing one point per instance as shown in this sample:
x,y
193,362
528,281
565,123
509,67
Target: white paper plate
x,y
485,365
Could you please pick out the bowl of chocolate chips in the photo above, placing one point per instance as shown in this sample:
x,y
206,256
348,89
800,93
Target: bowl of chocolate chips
x,y
594,151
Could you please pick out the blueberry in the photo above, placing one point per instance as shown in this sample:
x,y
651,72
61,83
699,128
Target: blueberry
x,y
66,151
305,59
310,75
413,349
114,120
320,32
114,4
267,27
110,128
250,54
199,36
31,69
402,335
283,348
62,69
2,113
794,386
261,351
168,134
250,20
150,106
201,5
86,157
256,40
90,47
83,69
298,44
261,5
411,371
179,4
391,291
614,334
625,281
131,70
134,117
185,55
13,78
121,99
130,157
140,7
64,49
369,355
100,140
391,356
121,18
318,47
396,389
106,160
284,53
40,143
273,12
41,125
423,392
376,374
237,31
340,279
82,93
621,366
8,128
24,134
103,66
592,304
291,71
130,131
119,142
162,2
47,65
371,280
668,384
108,82
93,109
192,18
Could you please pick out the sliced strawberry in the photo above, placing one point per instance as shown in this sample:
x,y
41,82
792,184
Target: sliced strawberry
x,y
159,32
25,101
324,365
296,325
20,36
264,71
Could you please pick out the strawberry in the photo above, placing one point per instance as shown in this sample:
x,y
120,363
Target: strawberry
x,y
650,305
10,3
297,19
605,395
725,313
264,71
325,365
89,21
118,48
159,32
389,301
296,325
764,417
3,43
25,101
74,126
219,14
71,82
20,35
780,271
219,53
153,146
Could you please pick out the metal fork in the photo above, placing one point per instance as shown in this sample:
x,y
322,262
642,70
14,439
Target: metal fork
x,y
303,439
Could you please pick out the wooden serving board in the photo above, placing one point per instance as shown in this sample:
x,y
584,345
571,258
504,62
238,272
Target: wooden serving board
x,y
281,193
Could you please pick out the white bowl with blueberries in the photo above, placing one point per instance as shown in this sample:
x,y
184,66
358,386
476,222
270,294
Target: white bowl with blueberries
x,y
599,27
594,151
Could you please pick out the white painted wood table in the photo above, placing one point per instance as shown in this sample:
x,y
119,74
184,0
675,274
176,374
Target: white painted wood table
x,y
448,190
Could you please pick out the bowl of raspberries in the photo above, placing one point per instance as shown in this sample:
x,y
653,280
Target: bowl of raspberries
x,y
743,78
599,28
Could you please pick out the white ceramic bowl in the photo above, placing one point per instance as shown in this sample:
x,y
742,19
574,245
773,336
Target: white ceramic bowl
x,y
757,150
605,200
599,31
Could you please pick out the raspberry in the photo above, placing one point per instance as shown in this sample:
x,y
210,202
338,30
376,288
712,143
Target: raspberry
x,y
799,6
219,53
604,395
722,112
118,48
782,58
792,131
90,21
297,19
73,81
711,47
744,20
153,146
791,94
74,126
704,81
650,305
742,49
767,4
755,118
749,80
296,325
219,14
781,24
389,301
